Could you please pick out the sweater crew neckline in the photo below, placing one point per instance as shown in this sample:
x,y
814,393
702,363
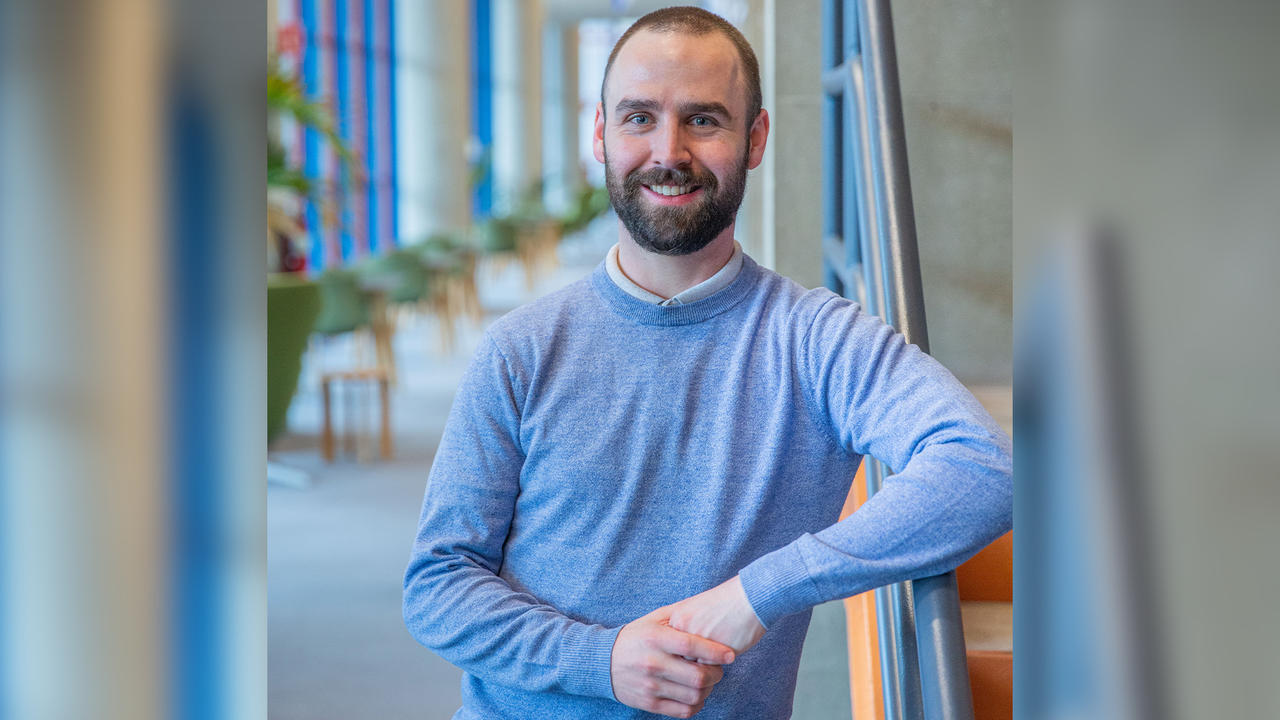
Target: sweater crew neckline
x,y
647,313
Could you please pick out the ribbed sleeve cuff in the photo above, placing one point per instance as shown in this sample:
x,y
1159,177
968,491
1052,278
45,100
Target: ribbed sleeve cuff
x,y
586,652
778,584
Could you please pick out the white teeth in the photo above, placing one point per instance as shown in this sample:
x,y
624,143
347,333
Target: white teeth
x,y
670,189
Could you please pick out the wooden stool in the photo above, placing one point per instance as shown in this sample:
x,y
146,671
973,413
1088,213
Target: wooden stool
x,y
378,375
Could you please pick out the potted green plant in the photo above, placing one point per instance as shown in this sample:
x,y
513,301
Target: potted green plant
x,y
293,301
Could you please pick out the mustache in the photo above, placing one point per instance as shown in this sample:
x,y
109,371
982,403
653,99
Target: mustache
x,y
670,176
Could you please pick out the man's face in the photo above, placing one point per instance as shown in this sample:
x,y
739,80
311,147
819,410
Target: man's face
x,y
674,139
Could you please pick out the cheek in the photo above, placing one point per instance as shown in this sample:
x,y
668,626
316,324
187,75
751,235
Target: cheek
x,y
728,161
623,155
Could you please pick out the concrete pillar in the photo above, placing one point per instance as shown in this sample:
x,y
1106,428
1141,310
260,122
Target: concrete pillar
x,y
571,102
83,303
273,13
561,139
791,175
517,98
433,116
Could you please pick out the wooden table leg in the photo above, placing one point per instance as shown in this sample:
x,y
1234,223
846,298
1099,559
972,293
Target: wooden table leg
x,y
381,323
386,418
326,433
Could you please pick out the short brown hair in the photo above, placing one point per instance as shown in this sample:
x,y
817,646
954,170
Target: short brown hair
x,y
696,21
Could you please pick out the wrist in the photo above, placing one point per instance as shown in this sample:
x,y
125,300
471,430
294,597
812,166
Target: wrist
x,y
745,601
586,657
778,584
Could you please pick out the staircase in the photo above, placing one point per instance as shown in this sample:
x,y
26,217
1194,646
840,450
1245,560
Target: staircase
x,y
986,603
935,648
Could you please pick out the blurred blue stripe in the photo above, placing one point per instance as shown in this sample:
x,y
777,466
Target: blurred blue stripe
x,y
344,120
1053,583
371,126
311,163
194,387
482,84
393,135
5,702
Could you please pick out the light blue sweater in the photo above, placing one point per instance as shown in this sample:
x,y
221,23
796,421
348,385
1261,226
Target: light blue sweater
x,y
605,456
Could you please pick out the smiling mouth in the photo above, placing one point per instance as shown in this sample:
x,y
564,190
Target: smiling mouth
x,y
673,190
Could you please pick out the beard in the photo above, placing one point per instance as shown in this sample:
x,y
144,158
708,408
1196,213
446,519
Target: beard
x,y
679,230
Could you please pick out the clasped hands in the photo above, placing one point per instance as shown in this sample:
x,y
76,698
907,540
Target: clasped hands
x,y
667,661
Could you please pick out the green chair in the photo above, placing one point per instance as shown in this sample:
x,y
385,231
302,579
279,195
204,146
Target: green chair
x,y
344,306
497,235
401,273
293,303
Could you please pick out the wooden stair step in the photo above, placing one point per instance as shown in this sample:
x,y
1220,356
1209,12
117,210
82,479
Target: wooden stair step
x,y
988,637
988,625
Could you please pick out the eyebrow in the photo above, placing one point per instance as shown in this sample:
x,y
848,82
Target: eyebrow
x,y
689,108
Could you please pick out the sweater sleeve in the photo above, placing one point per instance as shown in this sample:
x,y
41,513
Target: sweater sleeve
x,y
952,493
455,602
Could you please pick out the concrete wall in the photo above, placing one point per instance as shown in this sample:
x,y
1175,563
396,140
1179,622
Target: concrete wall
x,y
792,222
954,63
954,67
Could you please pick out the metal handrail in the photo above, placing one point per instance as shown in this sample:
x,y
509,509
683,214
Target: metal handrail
x,y
870,225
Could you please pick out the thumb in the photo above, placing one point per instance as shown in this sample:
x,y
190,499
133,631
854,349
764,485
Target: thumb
x,y
662,615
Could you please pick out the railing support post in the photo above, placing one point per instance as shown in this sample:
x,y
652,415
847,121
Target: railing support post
x,y
944,669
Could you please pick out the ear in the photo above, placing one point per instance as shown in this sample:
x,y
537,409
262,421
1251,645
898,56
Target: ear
x,y
757,137
597,135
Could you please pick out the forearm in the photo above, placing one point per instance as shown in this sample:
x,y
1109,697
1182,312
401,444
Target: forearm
x,y
475,620
882,397
948,503
455,602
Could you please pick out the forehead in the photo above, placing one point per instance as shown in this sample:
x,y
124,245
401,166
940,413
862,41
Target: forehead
x,y
671,66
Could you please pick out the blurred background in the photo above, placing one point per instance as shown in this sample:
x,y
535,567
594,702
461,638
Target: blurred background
x,y
428,169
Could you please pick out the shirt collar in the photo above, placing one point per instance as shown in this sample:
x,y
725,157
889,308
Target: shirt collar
x,y
706,288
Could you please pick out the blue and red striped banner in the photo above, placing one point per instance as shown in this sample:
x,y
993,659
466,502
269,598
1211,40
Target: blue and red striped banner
x,y
347,62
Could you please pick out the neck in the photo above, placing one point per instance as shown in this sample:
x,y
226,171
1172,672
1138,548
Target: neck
x,y
668,275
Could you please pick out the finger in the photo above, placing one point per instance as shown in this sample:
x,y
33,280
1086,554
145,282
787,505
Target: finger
x,y
672,708
680,693
685,645
693,674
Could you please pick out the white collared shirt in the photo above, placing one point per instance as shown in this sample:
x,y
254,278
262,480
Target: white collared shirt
x,y
706,288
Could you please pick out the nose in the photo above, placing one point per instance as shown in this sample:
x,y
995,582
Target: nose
x,y
670,149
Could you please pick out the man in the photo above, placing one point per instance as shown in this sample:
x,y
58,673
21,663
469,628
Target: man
x,y
634,504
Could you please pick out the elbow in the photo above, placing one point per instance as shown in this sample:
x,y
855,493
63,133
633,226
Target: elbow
x,y
414,603
433,592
